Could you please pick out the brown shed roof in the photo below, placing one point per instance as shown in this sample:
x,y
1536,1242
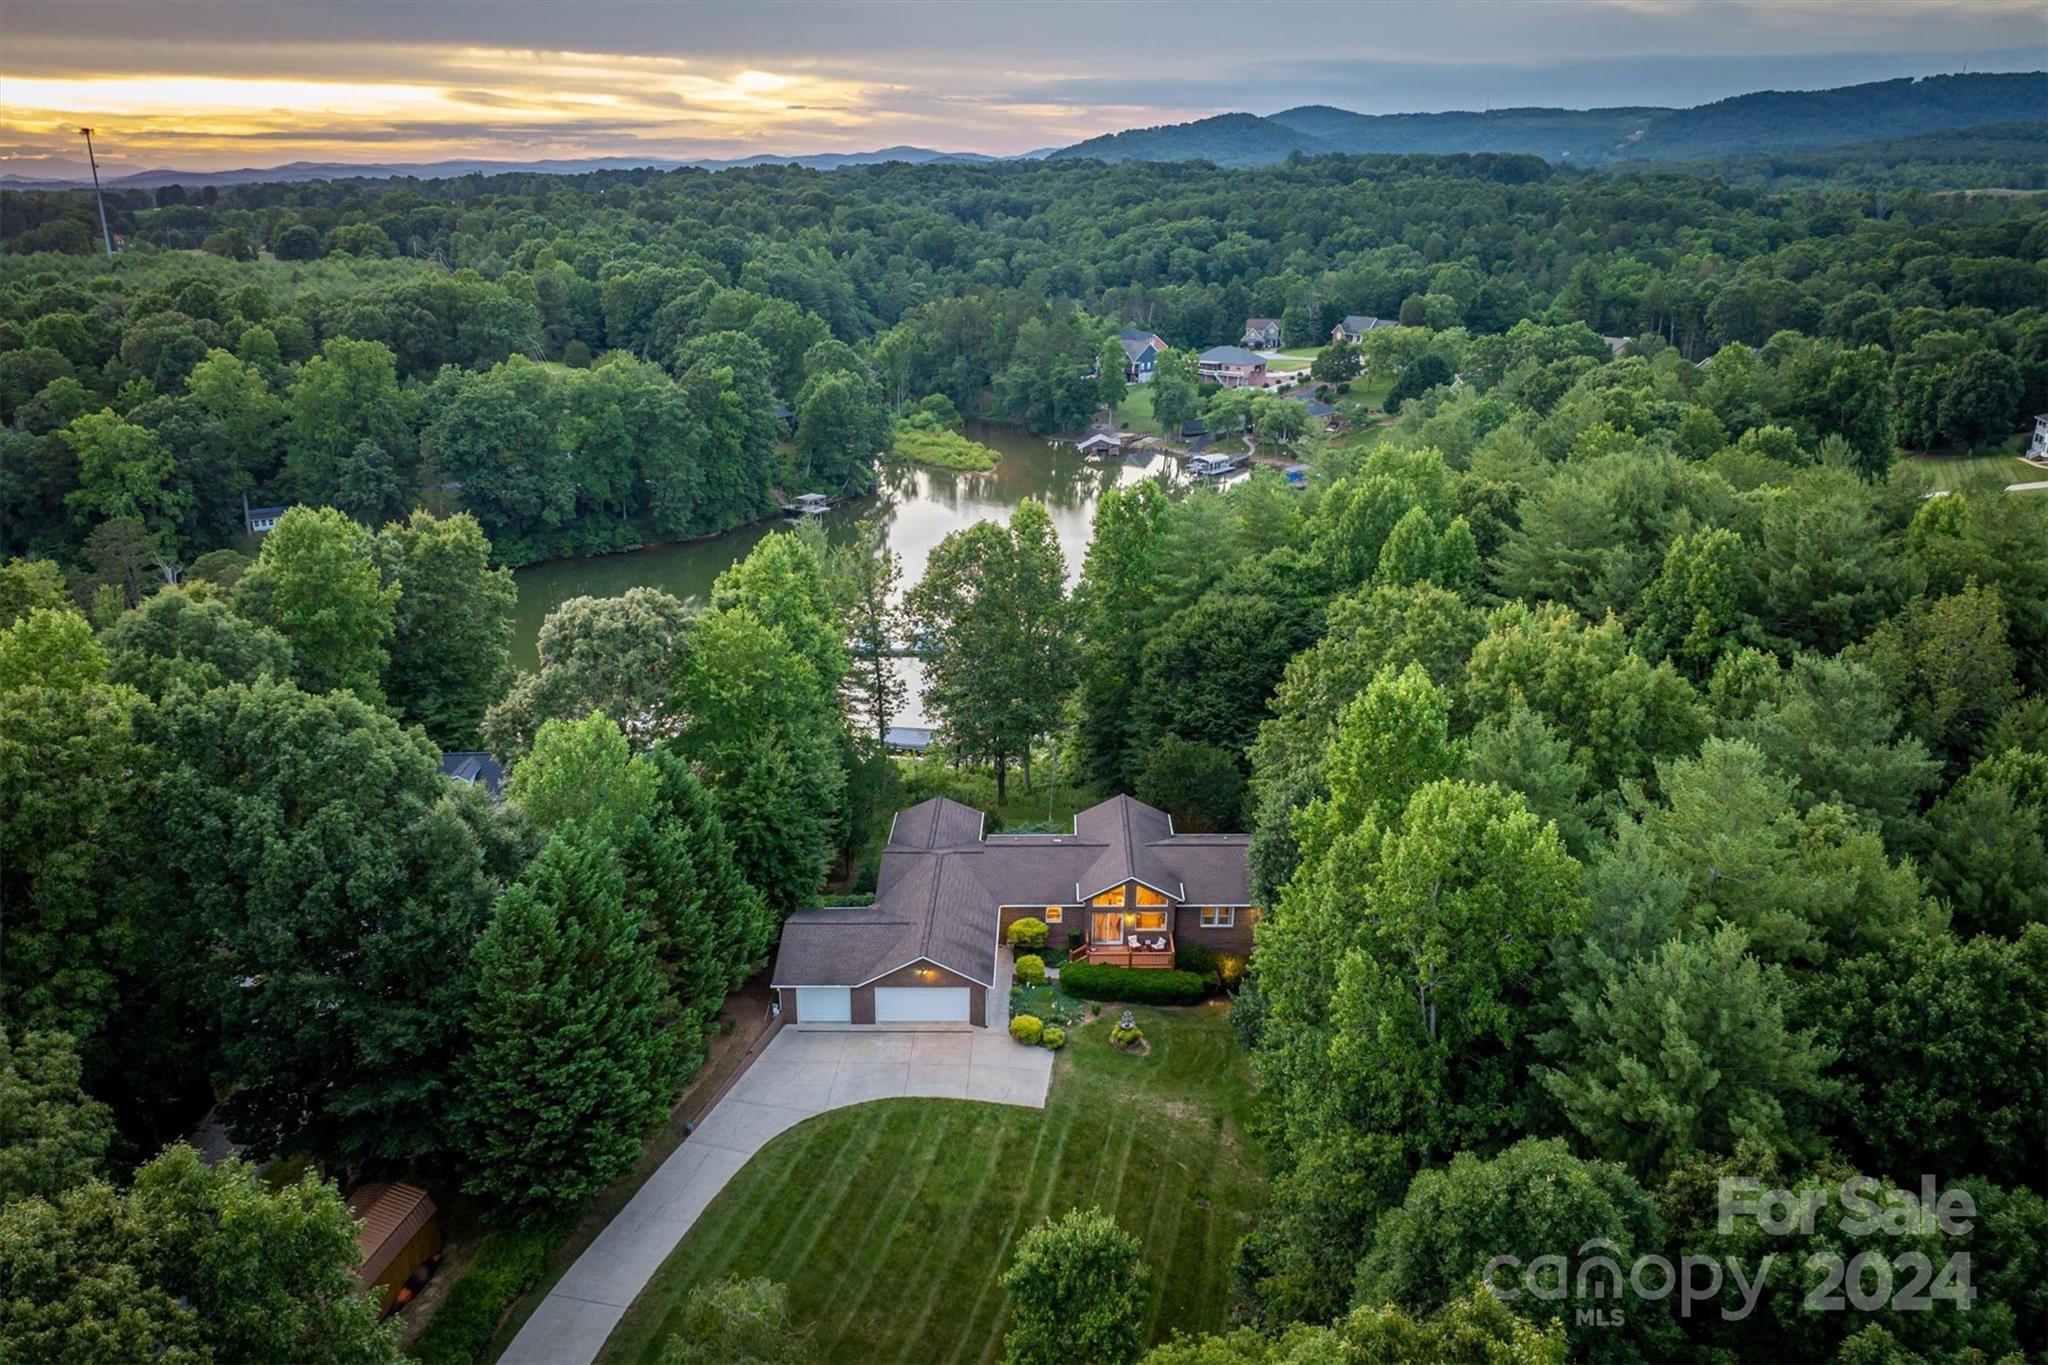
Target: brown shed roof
x,y
391,1214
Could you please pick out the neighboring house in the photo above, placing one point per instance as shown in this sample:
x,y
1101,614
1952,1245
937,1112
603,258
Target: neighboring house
x,y
1142,350
258,521
1318,410
785,415
1232,366
1261,332
1356,325
474,769
2037,448
1614,344
1123,888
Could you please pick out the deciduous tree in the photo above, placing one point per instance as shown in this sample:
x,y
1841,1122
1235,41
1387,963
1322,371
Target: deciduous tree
x,y
1077,1292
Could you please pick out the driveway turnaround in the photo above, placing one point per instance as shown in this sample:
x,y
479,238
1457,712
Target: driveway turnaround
x,y
799,1074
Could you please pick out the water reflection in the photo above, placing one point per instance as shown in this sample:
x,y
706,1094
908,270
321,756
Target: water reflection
x,y
917,508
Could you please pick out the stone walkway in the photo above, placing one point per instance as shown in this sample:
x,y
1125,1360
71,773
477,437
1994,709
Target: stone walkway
x,y
799,1074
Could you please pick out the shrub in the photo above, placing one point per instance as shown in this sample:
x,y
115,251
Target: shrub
x,y
1126,1037
1197,958
1028,932
1031,969
507,1264
1138,986
1027,1029
1053,1039
1073,939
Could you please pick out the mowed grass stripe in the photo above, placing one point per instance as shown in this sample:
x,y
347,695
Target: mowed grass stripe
x,y
750,1206
945,1247
881,1247
980,1337
890,1222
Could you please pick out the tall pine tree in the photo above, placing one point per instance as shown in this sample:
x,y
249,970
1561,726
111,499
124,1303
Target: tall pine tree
x,y
567,1063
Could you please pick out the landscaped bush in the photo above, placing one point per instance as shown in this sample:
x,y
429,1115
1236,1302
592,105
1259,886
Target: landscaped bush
x,y
1031,969
1096,981
1027,1029
1053,1039
507,1264
1195,957
1073,939
1126,1037
1028,933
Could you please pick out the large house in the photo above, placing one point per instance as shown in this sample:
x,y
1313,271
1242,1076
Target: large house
x,y
1142,350
1262,332
1356,325
1232,366
1123,888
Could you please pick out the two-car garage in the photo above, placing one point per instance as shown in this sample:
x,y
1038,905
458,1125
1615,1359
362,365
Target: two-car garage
x,y
890,1004
916,995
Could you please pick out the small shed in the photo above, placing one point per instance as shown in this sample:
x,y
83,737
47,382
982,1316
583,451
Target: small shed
x,y
401,1231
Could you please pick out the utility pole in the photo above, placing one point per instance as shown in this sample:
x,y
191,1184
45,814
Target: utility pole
x,y
105,235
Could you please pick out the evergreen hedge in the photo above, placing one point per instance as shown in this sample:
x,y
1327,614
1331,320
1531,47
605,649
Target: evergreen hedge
x,y
1132,985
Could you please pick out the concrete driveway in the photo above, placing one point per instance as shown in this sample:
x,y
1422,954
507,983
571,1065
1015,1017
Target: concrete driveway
x,y
799,1073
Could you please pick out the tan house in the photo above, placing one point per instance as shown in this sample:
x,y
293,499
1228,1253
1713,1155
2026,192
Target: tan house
x,y
1122,888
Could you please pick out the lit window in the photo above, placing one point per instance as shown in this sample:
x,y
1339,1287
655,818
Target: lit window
x,y
1053,913
1113,896
1147,896
1218,916
1149,919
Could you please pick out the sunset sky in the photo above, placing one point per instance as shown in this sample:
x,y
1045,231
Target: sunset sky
x,y
213,84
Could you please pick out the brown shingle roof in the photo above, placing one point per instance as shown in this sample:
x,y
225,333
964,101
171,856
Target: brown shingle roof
x,y
941,884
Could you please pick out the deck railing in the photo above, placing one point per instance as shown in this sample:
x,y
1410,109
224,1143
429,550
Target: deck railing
x,y
1122,955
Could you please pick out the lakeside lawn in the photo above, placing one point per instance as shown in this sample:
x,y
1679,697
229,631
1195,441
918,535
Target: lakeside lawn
x,y
890,1221
1135,412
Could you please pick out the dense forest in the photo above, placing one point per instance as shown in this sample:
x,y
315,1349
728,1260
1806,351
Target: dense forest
x,y
1647,780
592,363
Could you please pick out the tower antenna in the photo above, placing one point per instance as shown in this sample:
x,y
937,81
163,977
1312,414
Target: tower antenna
x,y
105,235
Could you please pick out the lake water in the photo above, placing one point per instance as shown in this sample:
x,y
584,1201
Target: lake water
x,y
917,508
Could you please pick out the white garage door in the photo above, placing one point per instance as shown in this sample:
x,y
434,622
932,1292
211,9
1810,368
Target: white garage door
x,y
824,1004
920,1004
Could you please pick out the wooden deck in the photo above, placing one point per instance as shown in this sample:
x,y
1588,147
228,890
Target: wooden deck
x,y
1115,956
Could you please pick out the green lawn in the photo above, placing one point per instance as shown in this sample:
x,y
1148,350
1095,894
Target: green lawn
x,y
1135,412
1957,471
890,1221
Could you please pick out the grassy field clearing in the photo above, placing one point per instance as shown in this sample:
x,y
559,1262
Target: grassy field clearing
x,y
890,1221
1959,471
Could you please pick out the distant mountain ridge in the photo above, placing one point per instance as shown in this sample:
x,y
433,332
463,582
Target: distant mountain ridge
x,y
1765,122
